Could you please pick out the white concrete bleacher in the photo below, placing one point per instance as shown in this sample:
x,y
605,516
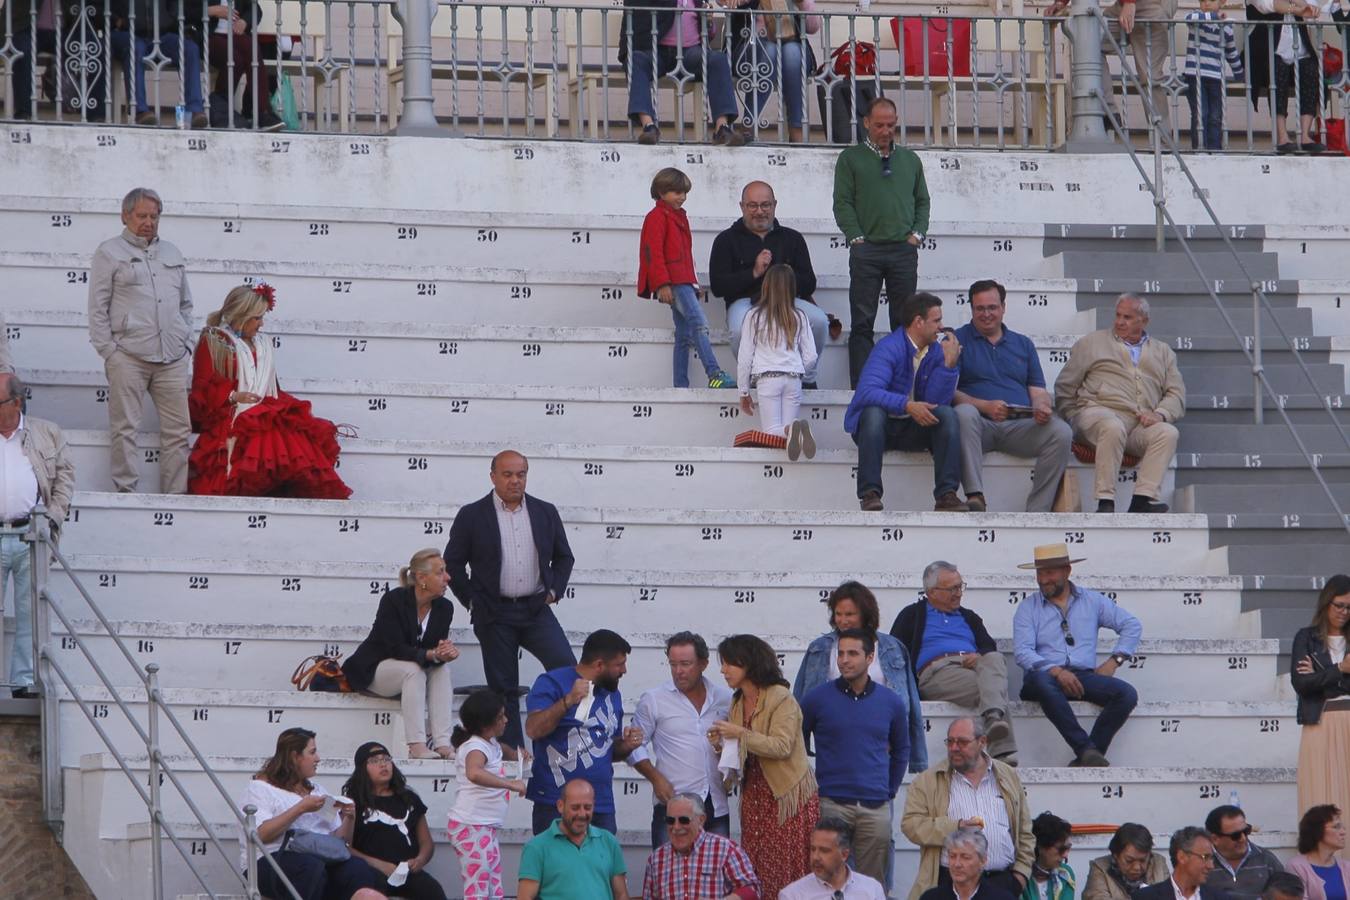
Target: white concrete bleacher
x,y
670,526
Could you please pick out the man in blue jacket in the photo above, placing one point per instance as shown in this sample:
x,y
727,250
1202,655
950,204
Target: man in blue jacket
x,y
904,402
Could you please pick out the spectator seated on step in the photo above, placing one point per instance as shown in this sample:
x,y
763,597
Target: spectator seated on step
x,y
1121,391
1283,886
1241,868
1191,854
1129,864
716,864
1051,877
572,859
953,657
142,27
1002,404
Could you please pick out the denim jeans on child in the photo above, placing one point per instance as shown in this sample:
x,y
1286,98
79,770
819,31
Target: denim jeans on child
x,y
1206,112
691,333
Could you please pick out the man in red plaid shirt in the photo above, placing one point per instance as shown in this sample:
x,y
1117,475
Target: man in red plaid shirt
x,y
697,864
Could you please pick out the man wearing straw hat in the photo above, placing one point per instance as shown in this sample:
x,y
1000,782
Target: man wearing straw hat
x,y
1055,643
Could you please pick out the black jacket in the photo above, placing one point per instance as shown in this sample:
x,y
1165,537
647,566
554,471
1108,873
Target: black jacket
x,y
1163,890
985,891
731,265
909,625
473,555
1325,682
395,635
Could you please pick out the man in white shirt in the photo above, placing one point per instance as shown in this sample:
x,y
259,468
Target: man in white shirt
x,y
1192,858
831,878
675,719
34,466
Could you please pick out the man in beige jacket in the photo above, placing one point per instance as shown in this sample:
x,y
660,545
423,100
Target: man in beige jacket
x,y
970,789
1121,392
140,322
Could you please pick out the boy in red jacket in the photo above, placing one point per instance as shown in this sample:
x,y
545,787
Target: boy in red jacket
x,y
666,272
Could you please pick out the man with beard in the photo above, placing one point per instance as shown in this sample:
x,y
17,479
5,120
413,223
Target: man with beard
x,y
831,878
1055,643
575,718
571,860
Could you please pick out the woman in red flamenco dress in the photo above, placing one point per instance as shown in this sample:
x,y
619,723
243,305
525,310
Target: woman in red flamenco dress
x,y
255,440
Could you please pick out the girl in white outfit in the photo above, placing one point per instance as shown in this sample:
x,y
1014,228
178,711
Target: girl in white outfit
x,y
776,350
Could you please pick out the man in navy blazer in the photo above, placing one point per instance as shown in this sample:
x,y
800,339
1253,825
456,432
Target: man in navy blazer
x,y
509,562
904,402
1192,858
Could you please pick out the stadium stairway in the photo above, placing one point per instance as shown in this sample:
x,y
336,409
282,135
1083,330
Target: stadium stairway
x,y
447,315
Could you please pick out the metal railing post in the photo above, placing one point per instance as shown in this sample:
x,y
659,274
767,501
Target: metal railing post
x,y
53,791
1087,81
1258,398
418,116
152,753
1159,221
251,871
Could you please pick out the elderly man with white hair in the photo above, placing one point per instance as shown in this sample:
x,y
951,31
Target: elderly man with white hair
x,y
695,863
1121,391
967,850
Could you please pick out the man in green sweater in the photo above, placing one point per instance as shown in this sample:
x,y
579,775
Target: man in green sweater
x,y
881,206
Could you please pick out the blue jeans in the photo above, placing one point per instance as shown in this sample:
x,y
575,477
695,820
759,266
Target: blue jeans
x,y
691,333
869,265
1116,698
878,432
14,560
503,629
711,822
190,62
641,99
1206,112
757,70
815,317
545,813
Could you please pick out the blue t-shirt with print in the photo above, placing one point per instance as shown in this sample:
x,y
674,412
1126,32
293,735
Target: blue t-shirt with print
x,y
574,749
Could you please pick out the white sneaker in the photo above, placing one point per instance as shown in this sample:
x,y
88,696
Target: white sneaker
x,y
794,441
808,441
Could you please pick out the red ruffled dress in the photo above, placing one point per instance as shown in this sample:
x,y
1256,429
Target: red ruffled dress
x,y
280,448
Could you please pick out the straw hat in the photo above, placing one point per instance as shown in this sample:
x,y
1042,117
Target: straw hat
x,y
1050,556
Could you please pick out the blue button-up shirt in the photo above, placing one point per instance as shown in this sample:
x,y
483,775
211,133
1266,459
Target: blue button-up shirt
x,y
1001,371
1038,635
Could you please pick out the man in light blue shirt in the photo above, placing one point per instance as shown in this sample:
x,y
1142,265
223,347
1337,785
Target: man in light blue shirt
x,y
1055,643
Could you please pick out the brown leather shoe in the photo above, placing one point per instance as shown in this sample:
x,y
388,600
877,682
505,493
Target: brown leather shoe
x,y
975,503
870,502
949,502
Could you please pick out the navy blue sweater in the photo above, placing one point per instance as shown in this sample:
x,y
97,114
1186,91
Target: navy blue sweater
x,y
857,739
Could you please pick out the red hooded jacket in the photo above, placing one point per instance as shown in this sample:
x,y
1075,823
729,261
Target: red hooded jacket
x,y
666,252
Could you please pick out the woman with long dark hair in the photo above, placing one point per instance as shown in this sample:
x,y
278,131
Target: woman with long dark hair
x,y
391,824
779,799
1320,672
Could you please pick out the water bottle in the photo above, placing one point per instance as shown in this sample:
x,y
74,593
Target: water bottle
x,y
1233,798
181,117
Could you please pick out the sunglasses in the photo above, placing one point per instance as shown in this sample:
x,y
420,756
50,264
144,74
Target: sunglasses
x,y
1237,835
1064,627
885,167
683,820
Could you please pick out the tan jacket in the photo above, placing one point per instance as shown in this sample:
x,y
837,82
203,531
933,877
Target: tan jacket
x,y
139,301
1102,886
926,823
45,447
1100,372
775,737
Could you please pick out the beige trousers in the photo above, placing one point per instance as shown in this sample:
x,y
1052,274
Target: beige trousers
x,y
419,689
1150,47
871,834
129,379
982,688
1113,434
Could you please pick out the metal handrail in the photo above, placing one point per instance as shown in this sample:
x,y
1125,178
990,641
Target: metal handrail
x,y
42,549
1260,301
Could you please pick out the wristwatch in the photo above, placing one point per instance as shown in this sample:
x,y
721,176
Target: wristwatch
x,y
919,234
857,240
1120,658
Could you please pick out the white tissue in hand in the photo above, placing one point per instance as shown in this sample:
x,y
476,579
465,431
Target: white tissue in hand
x,y
584,707
730,762
400,875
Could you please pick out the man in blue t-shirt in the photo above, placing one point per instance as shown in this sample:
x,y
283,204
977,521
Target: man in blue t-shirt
x,y
575,719
1002,403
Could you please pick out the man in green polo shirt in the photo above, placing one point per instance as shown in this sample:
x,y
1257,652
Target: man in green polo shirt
x,y
881,206
572,860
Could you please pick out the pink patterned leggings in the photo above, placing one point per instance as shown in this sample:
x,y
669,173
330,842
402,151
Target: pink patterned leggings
x,y
480,859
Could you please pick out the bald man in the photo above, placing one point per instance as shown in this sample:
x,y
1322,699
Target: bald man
x,y
572,860
509,562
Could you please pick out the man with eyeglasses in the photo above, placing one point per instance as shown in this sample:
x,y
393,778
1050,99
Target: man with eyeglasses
x,y
1055,643
1240,867
35,466
674,719
1002,403
830,877
697,864
970,790
1192,859
743,253
954,658
881,205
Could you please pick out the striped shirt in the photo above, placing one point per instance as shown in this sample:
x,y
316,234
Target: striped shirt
x,y
984,800
714,867
520,558
1208,40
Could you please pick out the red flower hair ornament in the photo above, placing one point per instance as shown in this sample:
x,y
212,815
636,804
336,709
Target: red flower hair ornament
x,y
268,293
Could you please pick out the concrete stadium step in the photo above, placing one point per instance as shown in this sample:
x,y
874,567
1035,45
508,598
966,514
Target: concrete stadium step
x,y
1318,554
1294,532
1283,499
1136,238
662,600
190,655
1271,438
1198,318
1166,267
1260,468
644,416
232,722
128,524
1326,378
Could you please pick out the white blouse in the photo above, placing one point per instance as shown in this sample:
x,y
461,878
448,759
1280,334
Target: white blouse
x,y
273,801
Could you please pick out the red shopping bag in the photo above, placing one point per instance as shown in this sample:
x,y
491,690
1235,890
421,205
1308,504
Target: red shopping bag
x,y
944,52
1335,136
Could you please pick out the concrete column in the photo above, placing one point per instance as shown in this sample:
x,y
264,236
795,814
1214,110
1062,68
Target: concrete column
x,y
418,116
1087,81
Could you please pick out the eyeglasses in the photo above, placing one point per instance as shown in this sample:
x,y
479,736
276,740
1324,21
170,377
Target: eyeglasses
x,y
379,758
1064,848
885,167
17,399
1341,607
959,742
683,820
1064,627
958,588
1205,858
1237,835
764,206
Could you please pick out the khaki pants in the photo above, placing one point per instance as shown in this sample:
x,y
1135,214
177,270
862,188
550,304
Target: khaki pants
x,y
129,379
1150,47
1115,433
419,688
982,689
871,834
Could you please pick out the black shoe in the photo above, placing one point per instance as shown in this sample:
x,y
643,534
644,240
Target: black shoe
x,y
870,502
1313,149
808,385
1142,504
728,137
1286,148
24,693
268,120
650,134
1106,506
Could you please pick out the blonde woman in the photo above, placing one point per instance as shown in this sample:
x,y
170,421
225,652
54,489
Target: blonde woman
x,y
255,440
406,652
